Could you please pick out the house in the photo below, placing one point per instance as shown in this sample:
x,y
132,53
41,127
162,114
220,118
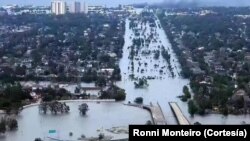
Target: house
x,y
107,71
247,58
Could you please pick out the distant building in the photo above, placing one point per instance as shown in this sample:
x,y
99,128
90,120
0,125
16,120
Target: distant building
x,y
84,7
10,6
58,7
128,8
95,9
75,7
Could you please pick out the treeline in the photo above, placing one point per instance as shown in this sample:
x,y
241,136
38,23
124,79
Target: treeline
x,y
13,97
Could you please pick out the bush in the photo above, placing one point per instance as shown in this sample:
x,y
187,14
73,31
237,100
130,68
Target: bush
x,y
2,126
197,123
113,92
149,122
192,108
38,139
12,124
139,100
121,95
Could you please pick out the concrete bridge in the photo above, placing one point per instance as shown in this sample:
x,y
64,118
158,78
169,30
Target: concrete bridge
x,y
155,111
181,119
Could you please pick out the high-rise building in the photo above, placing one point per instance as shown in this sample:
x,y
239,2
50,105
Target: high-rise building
x,y
76,7
84,8
58,7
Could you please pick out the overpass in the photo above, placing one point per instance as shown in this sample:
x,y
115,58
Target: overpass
x,y
181,119
155,111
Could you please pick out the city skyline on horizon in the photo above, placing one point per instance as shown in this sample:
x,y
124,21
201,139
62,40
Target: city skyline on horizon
x,y
107,3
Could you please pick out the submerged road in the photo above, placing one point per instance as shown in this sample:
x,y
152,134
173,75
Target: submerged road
x,y
155,111
182,120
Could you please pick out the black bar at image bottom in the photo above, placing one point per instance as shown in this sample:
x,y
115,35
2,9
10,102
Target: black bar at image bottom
x,y
208,132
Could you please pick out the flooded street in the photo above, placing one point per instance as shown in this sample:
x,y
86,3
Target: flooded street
x,y
164,88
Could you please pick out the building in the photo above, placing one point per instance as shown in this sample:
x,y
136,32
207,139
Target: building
x,y
58,7
75,7
95,9
247,58
84,7
128,8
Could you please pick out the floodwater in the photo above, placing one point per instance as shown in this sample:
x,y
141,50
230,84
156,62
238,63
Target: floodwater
x,y
105,115
165,89
162,89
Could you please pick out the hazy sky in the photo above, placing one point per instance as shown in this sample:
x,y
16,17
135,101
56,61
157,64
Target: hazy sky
x,y
96,2
212,2
109,3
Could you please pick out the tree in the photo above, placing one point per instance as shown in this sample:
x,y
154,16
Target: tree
x,y
38,139
120,95
113,92
185,89
183,98
2,126
148,122
101,136
105,58
83,108
186,92
20,70
139,100
197,123
77,90
12,124
12,97
54,107
101,82
116,74
192,108
157,55
142,82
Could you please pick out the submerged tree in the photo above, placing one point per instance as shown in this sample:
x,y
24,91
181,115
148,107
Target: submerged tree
x,y
192,108
38,139
83,108
54,107
197,123
142,82
2,126
139,100
149,122
12,123
186,94
113,92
